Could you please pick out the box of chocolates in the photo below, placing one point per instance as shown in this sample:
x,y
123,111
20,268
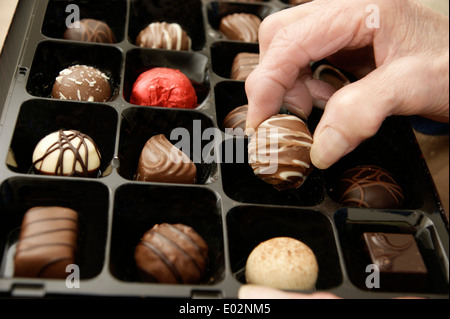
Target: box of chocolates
x,y
125,169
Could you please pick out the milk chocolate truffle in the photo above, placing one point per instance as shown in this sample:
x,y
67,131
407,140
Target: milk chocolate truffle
x,y
163,35
47,242
82,83
282,263
399,260
172,254
243,64
164,87
90,30
161,161
67,153
235,121
369,186
240,27
331,75
279,151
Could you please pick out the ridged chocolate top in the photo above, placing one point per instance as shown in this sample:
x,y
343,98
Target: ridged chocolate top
x,y
67,153
47,243
243,64
163,35
288,141
235,121
240,26
172,254
161,161
369,186
82,83
90,30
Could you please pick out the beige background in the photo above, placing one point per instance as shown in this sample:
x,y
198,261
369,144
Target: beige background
x,y
435,149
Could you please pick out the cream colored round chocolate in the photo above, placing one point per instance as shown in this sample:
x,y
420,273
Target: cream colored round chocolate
x,y
283,263
66,153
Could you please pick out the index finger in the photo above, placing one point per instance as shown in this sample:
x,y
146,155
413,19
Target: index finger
x,y
313,37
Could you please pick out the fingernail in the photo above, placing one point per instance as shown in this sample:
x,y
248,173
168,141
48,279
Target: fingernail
x,y
328,148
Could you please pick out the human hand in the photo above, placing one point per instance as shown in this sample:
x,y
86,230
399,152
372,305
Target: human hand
x,y
411,56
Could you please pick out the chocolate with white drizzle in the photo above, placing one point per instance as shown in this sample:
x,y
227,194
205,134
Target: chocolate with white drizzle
x,y
240,26
47,242
243,64
90,30
163,35
286,138
161,161
172,253
67,153
82,83
235,121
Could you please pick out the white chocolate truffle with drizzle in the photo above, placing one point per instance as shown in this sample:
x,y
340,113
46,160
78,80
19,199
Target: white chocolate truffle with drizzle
x,y
82,83
67,153
279,151
163,35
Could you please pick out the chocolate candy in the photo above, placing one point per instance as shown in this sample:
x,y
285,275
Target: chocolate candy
x,y
90,30
160,161
240,27
283,263
47,243
399,260
163,35
331,75
172,254
82,83
67,153
235,122
164,87
243,64
279,151
369,186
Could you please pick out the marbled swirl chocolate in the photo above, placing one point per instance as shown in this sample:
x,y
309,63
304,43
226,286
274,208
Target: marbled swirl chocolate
x,y
243,64
82,83
47,243
163,35
67,153
161,161
399,260
174,254
369,186
90,30
235,121
240,27
279,151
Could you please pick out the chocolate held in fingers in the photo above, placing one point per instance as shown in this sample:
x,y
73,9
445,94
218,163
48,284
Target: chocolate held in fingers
x,y
279,151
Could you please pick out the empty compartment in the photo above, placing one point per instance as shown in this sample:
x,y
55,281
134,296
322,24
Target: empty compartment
x,y
137,208
186,130
394,149
60,13
38,118
352,223
89,199
223,54
188,14
52,57
192,65
248,226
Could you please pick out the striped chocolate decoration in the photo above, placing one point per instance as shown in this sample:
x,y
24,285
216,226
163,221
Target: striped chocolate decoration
x,y
171,254
90,30
163,35
240,27
47,242
279,151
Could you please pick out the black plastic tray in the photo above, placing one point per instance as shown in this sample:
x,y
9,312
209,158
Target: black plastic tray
x,y
229,206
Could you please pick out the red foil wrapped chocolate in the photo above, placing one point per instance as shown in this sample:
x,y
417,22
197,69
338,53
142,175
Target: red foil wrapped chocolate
x,y
164,87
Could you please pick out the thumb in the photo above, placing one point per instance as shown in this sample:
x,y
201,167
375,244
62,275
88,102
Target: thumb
x,y
356,112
